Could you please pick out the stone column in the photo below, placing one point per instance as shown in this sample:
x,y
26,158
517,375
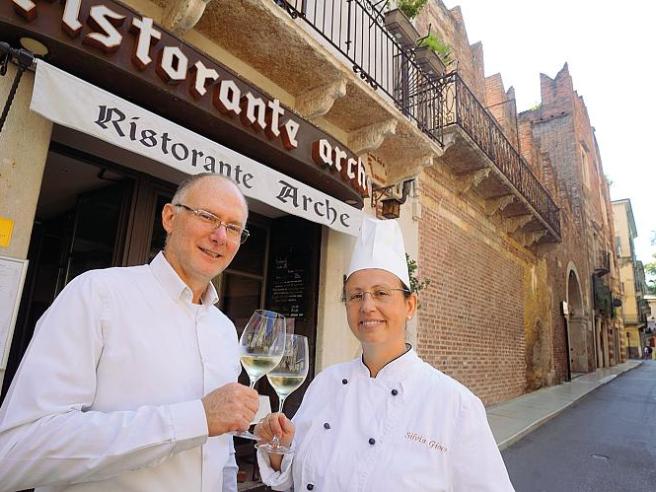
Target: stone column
x,y
335,342
24,143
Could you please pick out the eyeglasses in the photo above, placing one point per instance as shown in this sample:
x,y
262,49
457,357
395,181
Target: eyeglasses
x,y
379,295
234,232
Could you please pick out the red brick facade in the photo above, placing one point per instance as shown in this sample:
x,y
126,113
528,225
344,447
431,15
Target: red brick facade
x,y
492,317
471,315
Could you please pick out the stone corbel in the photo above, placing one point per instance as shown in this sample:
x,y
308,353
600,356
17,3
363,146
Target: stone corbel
x,y
182,15
471,180
318,101
371,137
511,224
494,205
529,238
409,167
448,139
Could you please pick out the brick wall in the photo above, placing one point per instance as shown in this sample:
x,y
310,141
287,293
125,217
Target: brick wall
x,y
449,25
471,320
501,104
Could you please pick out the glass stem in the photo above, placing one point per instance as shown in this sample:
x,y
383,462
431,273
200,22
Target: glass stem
x,y
275,442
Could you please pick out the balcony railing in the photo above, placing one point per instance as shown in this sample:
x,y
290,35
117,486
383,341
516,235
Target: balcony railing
x,y
602,263
463,109
355,28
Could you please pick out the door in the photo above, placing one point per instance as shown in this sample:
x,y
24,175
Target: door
x,y
65,244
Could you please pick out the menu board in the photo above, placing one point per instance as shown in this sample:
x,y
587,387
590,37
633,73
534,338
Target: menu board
x,y
12,278
288,283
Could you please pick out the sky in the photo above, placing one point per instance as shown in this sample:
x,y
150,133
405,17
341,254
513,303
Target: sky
x,y
609,47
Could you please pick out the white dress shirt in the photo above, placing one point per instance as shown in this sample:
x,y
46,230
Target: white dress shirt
x,y
412,428
107,397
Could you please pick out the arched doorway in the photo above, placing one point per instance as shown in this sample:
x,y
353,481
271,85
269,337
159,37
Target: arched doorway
x,y
576,324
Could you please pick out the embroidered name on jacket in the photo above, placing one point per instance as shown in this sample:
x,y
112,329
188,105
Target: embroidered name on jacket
x,y
424,441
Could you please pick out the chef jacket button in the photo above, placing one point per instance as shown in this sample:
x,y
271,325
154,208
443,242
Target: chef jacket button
x,y
395,392
310,486
372,441
326,425
344,381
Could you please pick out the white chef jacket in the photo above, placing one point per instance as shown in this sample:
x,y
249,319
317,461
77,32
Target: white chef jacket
x,y
107,396
412,428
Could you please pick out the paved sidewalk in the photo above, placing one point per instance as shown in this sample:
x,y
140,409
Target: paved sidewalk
x,y
512,420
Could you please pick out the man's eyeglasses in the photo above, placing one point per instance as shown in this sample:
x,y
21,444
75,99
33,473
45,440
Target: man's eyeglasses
x,y
234,232
379,295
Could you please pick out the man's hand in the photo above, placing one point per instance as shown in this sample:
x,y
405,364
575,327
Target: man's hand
x,y
275,424
230,408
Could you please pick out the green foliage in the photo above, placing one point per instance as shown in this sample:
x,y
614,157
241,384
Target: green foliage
x,y
439,47
650,271
416,285
411,7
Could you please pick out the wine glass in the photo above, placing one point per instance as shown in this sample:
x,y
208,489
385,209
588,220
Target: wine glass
x,y
285,378
262,345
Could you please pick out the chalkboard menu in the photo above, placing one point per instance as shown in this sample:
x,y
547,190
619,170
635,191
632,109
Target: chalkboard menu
x,y
293,283
288,284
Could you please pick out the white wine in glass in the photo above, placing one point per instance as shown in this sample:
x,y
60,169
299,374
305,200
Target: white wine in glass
x,y
262,345
286,378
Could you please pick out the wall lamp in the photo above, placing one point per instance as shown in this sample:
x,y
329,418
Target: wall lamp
x,y
392,197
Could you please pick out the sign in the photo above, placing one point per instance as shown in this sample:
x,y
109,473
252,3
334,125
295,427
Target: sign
x,y
565,308
74,103
12,279
114,47
6,229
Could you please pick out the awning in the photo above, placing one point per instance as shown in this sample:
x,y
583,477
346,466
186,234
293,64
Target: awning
x,y
74,103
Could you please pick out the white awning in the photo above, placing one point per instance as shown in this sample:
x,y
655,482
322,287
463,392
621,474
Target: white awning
x,y
74,103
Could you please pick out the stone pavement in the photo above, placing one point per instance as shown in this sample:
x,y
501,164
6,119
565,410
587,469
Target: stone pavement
x,y
513,419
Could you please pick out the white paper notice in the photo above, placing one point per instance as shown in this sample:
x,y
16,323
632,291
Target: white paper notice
x,y
12,278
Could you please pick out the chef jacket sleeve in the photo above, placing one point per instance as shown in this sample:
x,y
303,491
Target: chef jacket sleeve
x,y
477,462
48,435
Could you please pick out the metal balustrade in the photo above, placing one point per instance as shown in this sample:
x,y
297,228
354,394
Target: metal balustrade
x,y
463,109
356,29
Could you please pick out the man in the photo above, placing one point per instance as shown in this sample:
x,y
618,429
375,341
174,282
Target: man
x,y
130,380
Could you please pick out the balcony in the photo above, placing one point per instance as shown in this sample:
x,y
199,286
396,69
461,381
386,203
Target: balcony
x,y
602,264
479,153
603,301
341,69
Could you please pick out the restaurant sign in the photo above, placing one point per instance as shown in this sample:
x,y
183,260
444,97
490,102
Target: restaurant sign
x,y
114,39
74,103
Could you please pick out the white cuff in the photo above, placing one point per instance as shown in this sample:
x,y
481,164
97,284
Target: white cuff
x,y
271,477
189,425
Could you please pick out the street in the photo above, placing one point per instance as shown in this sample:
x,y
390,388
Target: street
x,y
604,442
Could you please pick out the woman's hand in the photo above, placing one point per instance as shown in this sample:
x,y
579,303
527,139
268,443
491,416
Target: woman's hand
x,y
275,424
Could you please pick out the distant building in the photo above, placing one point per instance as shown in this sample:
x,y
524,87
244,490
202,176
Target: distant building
x,y
632,275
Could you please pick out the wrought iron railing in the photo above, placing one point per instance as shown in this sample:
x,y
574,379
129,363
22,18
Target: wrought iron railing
x,y
463,109
356,29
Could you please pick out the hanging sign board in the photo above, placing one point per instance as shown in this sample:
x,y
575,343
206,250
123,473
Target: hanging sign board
x,y
74,103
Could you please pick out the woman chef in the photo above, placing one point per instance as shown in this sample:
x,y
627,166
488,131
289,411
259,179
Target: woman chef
x,y
386,421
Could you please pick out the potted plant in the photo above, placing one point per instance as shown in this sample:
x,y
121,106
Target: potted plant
x,y
398,21
433,55
411,7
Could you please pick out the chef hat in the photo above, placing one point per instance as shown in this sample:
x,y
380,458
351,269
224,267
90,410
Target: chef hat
x,y
380,245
